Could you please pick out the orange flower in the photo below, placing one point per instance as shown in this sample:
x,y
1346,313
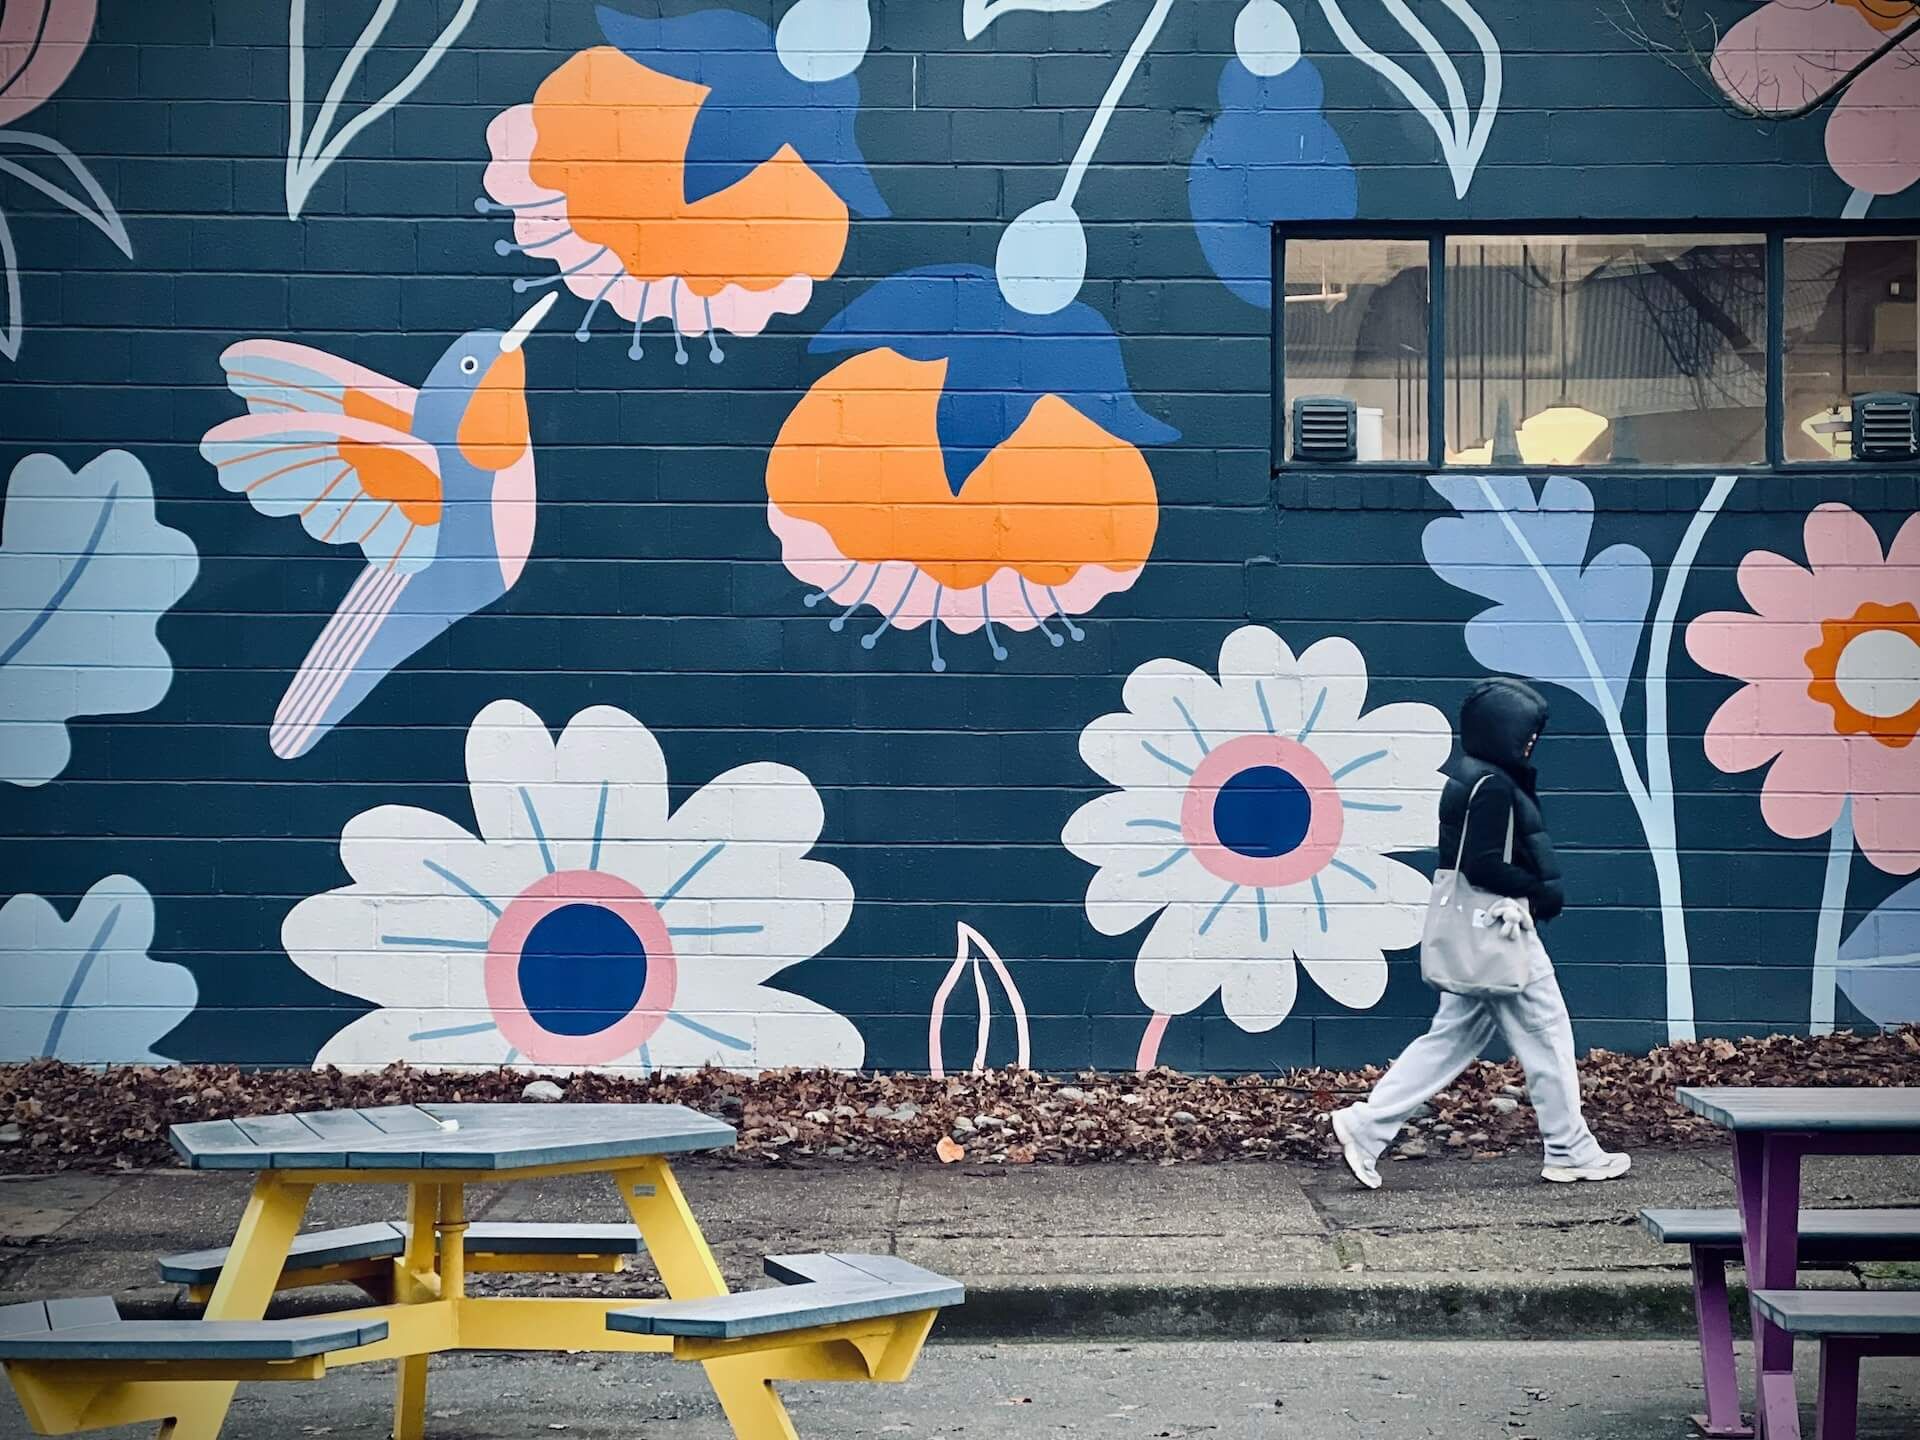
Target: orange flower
x,y
975,478
682,173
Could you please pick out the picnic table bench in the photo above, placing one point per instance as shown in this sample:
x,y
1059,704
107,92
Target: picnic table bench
x,y
76,1365
1826,1238
1773,1130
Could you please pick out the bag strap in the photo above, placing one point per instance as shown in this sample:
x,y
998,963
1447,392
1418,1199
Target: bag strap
x,y
1460,854
1507,856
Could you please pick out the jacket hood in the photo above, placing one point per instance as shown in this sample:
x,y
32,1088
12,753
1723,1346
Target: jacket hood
x,y
1497,719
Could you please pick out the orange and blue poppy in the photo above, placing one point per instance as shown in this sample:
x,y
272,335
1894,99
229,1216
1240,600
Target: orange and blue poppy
x,y
682,172
970,466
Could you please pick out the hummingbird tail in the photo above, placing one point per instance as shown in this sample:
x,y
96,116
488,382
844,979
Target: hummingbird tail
x,y
332,680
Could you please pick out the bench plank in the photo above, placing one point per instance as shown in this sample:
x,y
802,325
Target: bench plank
x,y
1842,1312
1829,1108
195,1340
1824,1234
799,1306
386,1240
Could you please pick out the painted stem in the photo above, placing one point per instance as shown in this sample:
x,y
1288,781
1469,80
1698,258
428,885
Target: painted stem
x,y
1833,912
1662,830
1150,1042
1097,128
1857,205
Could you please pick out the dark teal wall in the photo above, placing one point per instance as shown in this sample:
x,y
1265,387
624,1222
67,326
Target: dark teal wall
x,y
568,537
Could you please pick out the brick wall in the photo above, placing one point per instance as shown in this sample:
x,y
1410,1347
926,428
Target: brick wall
x,y
584,765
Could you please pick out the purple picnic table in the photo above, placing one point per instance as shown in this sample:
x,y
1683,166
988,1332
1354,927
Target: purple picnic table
x,y
1773,1129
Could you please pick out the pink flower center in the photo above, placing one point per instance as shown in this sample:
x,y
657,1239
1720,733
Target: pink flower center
x,y
1262,810
580,969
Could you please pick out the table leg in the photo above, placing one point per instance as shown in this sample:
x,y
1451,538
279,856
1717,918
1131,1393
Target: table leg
x,y
1719,1378
1767,1171
246,1285
1839,1404
415,1281
673,1239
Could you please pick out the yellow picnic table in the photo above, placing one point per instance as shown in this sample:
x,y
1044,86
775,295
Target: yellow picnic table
x,y
77,1368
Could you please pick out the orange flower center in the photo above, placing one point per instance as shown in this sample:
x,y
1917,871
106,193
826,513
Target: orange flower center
x,y
1866,669
1884,14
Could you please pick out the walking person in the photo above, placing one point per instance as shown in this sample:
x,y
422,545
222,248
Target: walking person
x,y
1505,851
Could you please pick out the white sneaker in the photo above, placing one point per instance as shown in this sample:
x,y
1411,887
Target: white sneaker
x,y
1358,1161
1607,1167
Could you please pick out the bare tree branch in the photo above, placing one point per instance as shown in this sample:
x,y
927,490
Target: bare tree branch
x,y
1695,38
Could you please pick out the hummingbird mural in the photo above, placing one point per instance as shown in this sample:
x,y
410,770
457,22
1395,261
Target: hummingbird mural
x,y
435,485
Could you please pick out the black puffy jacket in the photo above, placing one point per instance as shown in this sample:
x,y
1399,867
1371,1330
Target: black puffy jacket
x,y
1497,720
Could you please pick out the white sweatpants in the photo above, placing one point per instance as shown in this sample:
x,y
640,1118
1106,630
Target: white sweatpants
x,y
1538,1030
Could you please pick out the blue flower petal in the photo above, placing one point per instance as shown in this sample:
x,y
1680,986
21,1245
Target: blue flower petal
x,y
1270,156
755,104
1000,360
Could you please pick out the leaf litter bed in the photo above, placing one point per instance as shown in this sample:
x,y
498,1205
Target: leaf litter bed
x,y
55,1116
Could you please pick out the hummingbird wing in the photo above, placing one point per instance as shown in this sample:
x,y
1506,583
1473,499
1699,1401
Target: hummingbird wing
x,y
329,442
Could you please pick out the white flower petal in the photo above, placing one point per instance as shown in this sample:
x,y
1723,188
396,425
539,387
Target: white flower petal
x,y
605,778
1197,949
1372,905
1263,692
1130,752
1334,679
1134,837
431,1038
730,872
756,1028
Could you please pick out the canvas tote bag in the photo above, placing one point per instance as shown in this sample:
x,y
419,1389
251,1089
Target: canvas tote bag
x,y
1462,949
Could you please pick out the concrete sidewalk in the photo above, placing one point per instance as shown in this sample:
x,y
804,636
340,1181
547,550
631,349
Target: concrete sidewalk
x,y
1452,1248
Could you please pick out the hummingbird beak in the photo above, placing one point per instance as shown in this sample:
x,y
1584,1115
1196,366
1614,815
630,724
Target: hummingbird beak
x,y
525,325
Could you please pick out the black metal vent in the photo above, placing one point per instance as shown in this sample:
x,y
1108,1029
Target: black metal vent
x,y
1325,427
1886,426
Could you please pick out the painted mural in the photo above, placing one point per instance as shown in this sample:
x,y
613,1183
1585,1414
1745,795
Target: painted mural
x,y
1256,822
586,925
691,170
40,43
1829,657
1786,53
963,586
434,486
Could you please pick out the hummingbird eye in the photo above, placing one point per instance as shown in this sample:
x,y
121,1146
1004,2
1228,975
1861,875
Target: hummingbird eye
x,y
468,364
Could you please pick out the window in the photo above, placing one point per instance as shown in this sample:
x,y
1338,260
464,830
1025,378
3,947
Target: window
x,y
1851,327
1356,322
1697,348
1627,349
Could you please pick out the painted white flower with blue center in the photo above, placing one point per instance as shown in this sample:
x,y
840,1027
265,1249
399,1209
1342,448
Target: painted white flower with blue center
x,y
1256,816
586,927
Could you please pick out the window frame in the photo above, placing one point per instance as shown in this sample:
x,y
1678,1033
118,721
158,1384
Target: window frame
x,y
1774,234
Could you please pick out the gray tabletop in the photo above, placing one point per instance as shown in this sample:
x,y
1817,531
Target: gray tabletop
x,y
1810,1108
448,1137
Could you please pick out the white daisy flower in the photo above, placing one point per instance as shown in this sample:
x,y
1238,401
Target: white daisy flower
x,y
586,927
1255,818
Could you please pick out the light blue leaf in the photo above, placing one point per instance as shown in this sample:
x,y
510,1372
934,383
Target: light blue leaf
x,y
1555,617
85,990
67,182
11,330
86,572
1878,967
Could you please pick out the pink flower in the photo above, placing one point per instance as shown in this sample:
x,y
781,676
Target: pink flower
x,y
1831,661
40,43
1789,51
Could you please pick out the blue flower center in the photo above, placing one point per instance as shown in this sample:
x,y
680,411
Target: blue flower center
x,y
582,970
1262,812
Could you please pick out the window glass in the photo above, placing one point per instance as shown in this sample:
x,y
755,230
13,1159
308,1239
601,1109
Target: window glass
x,y
1851,328
1355,326
1624,349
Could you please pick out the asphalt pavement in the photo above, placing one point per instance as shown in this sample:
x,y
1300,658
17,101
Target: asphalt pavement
x,y
1558,1390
